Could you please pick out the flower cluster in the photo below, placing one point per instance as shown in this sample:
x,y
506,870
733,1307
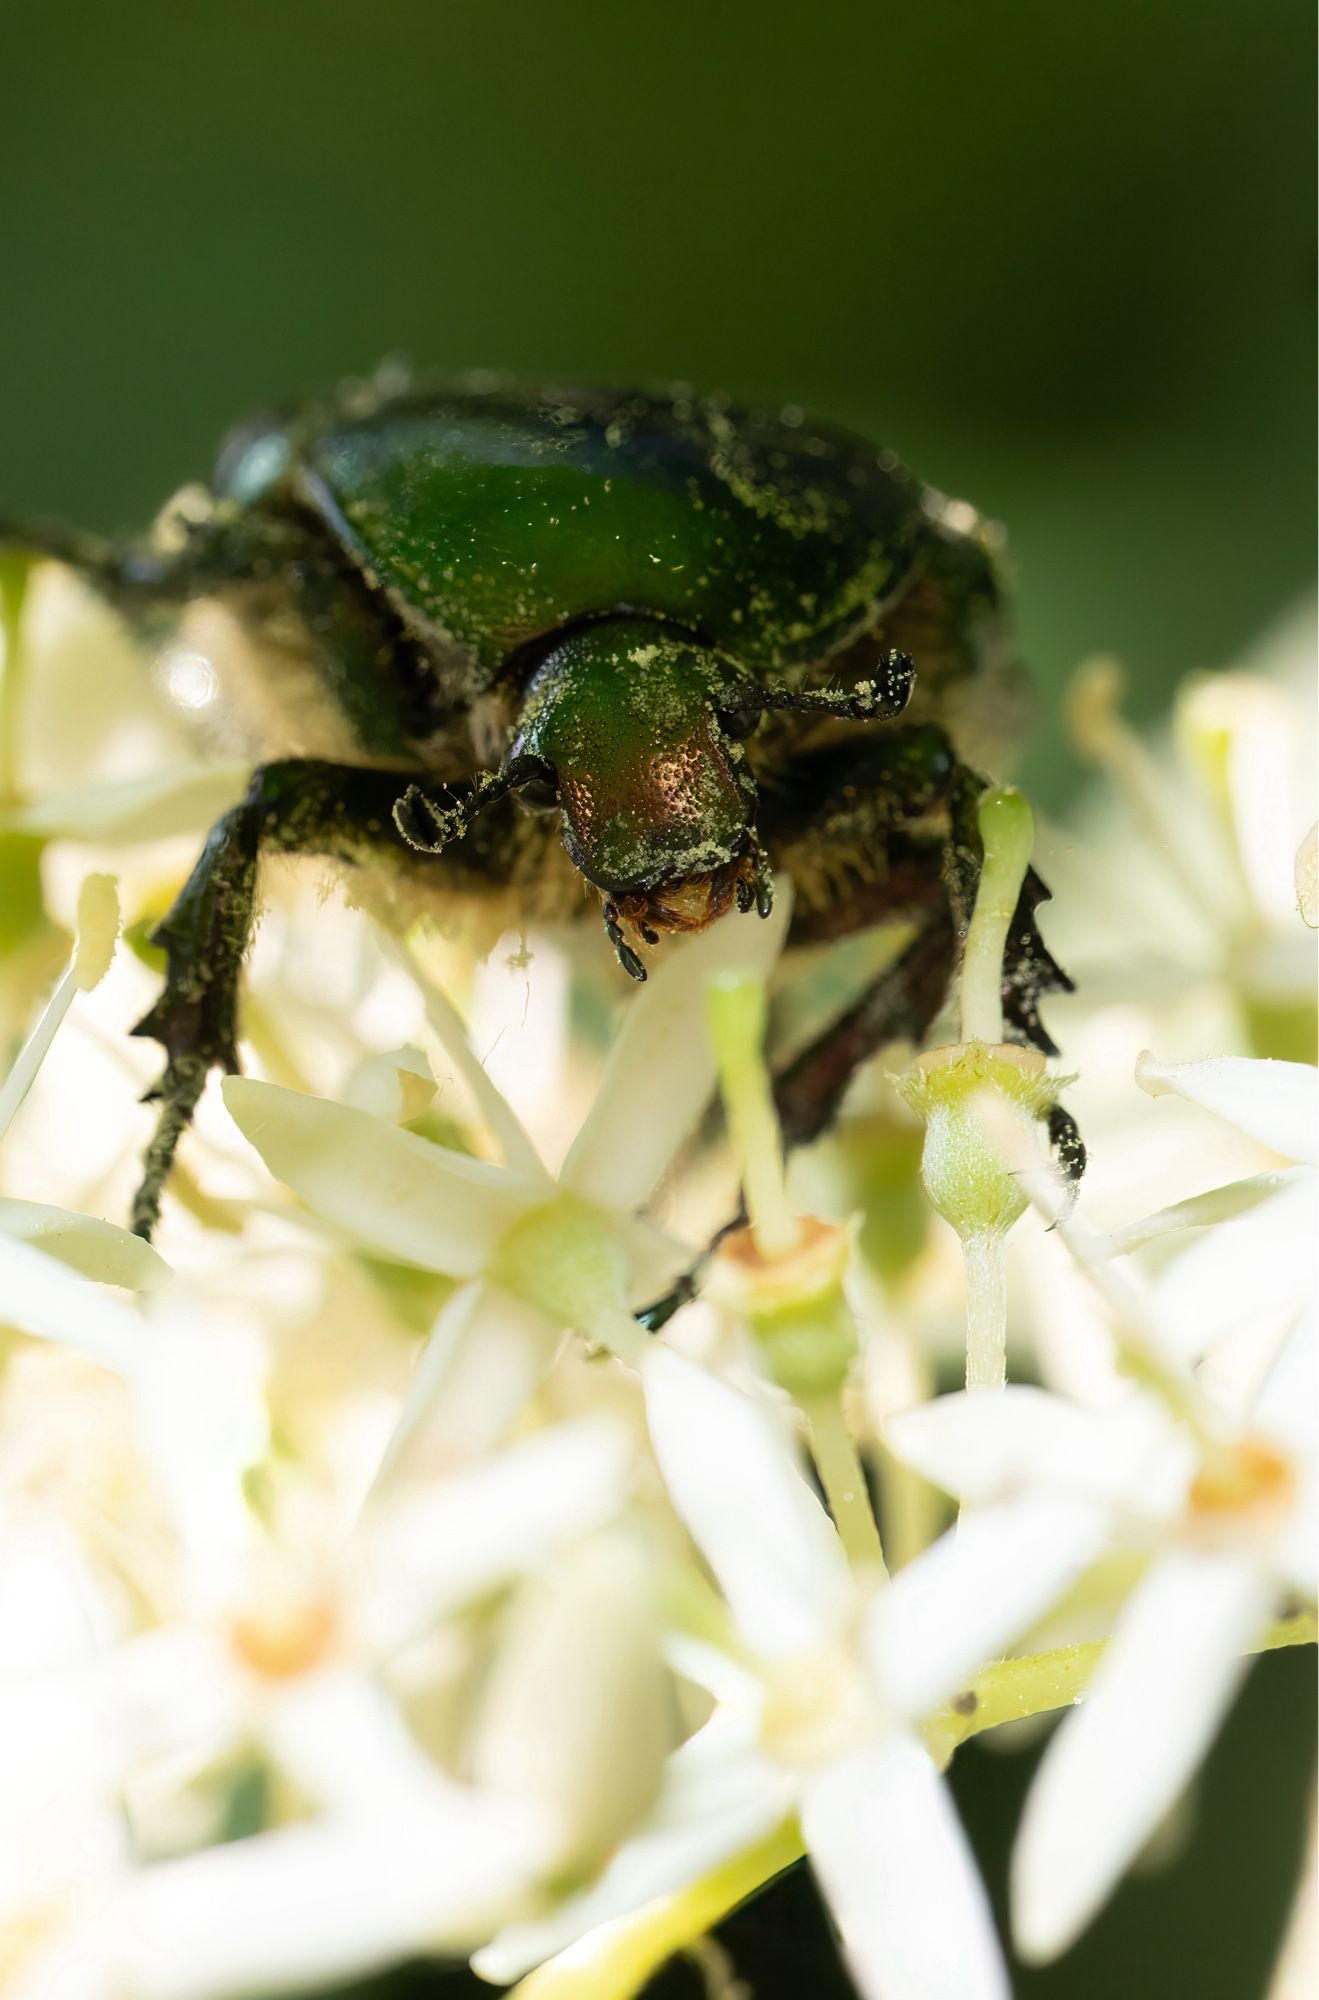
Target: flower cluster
x,y
374,1581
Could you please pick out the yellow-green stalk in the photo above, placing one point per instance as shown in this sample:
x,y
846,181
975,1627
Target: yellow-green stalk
x,y
964,1174
782,1276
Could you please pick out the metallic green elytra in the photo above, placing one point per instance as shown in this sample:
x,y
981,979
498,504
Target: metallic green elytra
x,y
508,640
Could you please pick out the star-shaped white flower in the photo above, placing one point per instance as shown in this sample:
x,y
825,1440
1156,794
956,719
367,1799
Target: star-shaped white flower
x,y
1199,834
1220,1509
286,1643
1255,1259
817,1706
536,1254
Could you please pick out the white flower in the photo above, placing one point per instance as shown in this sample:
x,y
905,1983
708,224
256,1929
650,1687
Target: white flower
x,y
1255,1260
1201,850
536,1255
816,1712
1220,1509
295,1908
302,1647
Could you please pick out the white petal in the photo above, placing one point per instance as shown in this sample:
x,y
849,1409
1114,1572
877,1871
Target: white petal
x,y
1287,1402
897,1872
390,1190
483,1363
343,1742
733,1684
1274,1102
451,1032
988,1444
576,1712
53,1610
1307,878
320,1902
463,1537
202,1422
1119,1762
61,1767
92,1248
655,1260
974,1592
185,798
395,1084
734,1479
177,1691
719,1798
1200,1211
661,1068
42,1297
1254,1265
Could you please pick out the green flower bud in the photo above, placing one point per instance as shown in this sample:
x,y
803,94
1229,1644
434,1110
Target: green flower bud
x,y
964,1173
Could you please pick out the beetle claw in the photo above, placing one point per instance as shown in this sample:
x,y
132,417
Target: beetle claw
x,y
424,824
885,696
756,886
627,958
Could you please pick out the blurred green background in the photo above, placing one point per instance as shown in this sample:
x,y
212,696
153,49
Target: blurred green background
x,y
1060,256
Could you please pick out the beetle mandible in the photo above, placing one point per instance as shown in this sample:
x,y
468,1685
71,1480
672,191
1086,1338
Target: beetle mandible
x,y
526,639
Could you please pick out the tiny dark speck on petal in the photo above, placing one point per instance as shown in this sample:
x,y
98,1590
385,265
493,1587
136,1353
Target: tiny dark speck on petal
x,y
965,1704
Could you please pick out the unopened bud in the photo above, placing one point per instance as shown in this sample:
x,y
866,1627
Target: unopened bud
x,y
963,1172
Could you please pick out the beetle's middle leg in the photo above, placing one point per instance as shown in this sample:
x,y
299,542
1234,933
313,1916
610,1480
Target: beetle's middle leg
x,y
296,806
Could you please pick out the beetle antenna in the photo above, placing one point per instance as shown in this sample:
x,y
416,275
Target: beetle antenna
x,y
877,699
431,821
627,958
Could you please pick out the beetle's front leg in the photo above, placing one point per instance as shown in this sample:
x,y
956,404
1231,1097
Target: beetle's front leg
x,y
297,806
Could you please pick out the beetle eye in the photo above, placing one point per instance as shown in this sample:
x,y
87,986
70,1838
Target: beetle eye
x,y
740,723
539,794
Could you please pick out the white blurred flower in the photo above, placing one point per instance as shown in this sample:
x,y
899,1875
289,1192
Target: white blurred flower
x,y
1255,1260
269,1643
1220,1508
1201,850
536,1255
816,1711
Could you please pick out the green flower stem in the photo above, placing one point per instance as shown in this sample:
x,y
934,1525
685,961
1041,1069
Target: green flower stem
x,y
737,1028
619,1959
913,1510
1007,830
1040,1682
985,1258
843,1478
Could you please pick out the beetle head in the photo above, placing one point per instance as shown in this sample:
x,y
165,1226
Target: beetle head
x,y
623,730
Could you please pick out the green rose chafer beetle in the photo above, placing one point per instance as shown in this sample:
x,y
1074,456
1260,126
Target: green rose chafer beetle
x,y
523,641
